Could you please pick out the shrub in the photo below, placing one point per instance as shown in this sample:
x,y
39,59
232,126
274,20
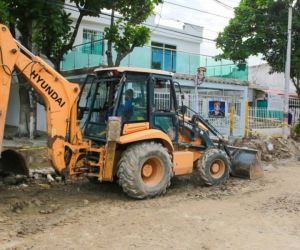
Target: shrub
x,y
297,128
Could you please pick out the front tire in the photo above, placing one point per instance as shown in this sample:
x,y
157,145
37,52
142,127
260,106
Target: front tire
x,y
145,170
213,168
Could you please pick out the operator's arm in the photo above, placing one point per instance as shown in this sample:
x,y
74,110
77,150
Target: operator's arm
x,y
127,106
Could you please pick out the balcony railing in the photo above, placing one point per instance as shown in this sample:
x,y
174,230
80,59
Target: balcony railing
x,y
183,62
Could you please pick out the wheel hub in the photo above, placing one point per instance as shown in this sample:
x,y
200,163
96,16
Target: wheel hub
x,y
215,168
147,170
152,171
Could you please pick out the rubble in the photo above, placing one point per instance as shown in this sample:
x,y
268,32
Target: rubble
x,y
49,210
50,178
42,177
272,148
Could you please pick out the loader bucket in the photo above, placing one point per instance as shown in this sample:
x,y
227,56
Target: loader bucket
x,y
246,163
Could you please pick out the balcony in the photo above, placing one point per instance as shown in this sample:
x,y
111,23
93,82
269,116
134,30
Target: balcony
x,y
183,62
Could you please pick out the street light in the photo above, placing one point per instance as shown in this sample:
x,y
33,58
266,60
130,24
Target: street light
x,y
288,72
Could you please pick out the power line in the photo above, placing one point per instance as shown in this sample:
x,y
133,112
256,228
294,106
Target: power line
x,y
198,10
224,4
73,8
69,7
159,14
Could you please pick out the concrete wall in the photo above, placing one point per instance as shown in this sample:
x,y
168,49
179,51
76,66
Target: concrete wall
x,y
12,117
260,75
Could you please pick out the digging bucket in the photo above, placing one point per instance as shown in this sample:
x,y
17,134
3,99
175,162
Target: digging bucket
x,y
246,163
13,162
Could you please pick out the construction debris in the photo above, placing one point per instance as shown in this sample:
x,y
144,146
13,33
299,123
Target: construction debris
x,y
272,148
43,177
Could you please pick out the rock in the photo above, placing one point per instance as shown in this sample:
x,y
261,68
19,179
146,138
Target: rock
x,y
284,150
43,171
45,186
10,180
50,178
267,157
35,176
58,178
36,202
85,202
270,147
49,210
18,205
21,178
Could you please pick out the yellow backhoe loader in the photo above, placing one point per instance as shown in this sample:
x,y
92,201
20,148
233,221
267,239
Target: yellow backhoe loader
x,y
116,127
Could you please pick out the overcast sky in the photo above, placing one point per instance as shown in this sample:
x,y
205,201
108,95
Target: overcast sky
x,y
212,24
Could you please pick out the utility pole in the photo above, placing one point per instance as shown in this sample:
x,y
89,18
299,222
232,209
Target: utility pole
x,y
288,72
198,81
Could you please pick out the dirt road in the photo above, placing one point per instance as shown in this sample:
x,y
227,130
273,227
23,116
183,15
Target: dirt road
x,y
261,214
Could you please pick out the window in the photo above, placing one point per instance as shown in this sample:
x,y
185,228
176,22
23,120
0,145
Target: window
x,y
162,96
133,106
165,123
164,112
163,56
96,125
93,43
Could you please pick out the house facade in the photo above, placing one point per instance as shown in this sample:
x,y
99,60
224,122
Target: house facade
x,y
167,49
268,88
175,48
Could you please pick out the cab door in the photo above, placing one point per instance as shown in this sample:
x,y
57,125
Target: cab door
x,y
163,108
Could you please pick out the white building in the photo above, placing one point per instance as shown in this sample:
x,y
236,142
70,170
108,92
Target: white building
x,y
167,49
260,75
173,47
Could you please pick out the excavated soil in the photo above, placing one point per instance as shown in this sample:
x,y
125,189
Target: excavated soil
x,y
242,214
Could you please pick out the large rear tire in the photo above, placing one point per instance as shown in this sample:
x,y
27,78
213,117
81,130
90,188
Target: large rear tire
x,y
145,170
212,169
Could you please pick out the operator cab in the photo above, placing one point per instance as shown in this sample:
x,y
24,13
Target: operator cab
x,y
139,96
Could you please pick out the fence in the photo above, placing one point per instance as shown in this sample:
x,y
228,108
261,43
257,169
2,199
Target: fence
x,y
222,124
294,104
260,118
171,60
295,114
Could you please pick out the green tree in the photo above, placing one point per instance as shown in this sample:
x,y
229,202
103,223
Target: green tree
x,y
4,14
23,15
260,27
46,28
55,34
126,33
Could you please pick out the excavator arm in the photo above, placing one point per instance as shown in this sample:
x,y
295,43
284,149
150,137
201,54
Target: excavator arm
x,y
60,97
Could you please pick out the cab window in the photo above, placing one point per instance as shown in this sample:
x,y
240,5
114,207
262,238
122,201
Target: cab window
x,y
162,96
133,105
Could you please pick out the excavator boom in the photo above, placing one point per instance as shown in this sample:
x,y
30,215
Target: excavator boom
x,y
60,96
